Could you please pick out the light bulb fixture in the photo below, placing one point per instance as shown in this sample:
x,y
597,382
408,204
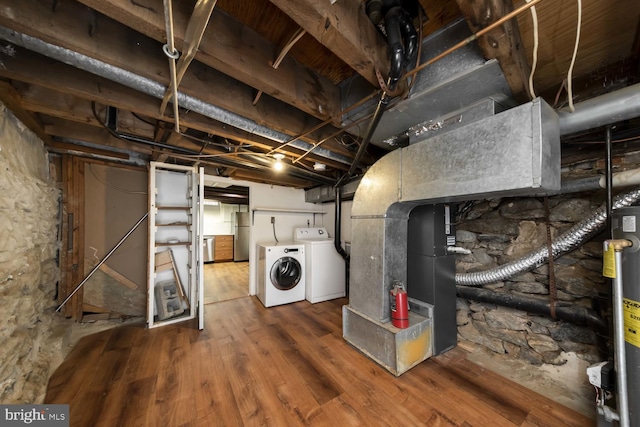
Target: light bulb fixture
x,y
278,165
319,166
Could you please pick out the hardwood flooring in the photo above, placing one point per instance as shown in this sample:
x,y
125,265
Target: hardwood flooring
x,y
225,280
281,366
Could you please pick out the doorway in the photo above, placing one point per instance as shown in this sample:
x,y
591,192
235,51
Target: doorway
x,y
226,242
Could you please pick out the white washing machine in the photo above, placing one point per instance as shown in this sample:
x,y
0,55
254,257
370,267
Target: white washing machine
x,y
281,273
325,267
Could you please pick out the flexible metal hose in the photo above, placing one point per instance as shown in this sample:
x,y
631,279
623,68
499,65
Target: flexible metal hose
x,y
568,241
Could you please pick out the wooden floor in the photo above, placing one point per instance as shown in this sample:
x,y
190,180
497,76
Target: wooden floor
x,y
281,366
225,280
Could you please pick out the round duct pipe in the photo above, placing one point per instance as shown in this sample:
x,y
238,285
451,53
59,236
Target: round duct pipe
x,y
623,104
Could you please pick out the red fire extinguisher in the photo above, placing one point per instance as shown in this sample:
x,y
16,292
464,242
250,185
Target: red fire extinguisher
x,y
399,306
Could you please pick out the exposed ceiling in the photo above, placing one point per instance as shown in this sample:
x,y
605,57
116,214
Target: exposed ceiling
x,y
271,76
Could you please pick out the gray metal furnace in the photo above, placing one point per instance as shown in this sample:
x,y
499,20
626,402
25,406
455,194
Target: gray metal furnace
x,y
431,271
399,225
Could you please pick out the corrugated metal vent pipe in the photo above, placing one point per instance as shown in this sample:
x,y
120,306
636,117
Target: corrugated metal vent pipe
x,y
157,90
568,241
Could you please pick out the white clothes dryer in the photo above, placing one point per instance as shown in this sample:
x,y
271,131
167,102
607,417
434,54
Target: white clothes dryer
x,y
281,273
325,267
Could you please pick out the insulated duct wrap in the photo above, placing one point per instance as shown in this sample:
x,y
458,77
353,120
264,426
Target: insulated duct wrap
x,y
568,241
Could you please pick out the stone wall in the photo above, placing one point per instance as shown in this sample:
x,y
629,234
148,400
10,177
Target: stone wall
x,y
28,267
500,231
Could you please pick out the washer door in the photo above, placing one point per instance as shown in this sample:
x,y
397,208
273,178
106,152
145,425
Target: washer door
x,y
286,273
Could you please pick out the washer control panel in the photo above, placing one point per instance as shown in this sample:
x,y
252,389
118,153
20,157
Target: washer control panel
x,y
311,233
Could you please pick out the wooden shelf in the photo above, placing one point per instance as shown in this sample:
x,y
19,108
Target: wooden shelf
x,y
173,244
284,210
175,224
175,208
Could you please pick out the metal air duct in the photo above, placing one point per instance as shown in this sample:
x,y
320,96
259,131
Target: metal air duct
x,y
513,153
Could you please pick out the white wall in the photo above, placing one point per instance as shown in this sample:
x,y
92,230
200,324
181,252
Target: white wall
x,y
220,219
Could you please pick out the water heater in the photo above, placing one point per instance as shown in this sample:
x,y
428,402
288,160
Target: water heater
x,y
626,225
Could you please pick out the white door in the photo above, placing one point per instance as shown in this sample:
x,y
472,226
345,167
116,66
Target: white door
x,y
175,245
200,249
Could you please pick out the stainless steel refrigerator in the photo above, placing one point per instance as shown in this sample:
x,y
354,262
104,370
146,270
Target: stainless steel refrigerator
x,y
241,237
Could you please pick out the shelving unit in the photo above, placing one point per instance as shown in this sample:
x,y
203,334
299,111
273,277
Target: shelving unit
x,y
175,289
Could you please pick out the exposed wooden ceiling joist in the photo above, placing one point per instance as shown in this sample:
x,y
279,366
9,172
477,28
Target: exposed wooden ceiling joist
x,y
345,29
233,50
340,50
12,100
502,43
25,66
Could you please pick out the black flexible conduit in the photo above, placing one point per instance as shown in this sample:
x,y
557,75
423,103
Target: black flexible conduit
x,y
399,27
338,226
336,237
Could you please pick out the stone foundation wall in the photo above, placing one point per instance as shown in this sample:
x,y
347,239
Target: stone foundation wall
x,y
500,231
28,267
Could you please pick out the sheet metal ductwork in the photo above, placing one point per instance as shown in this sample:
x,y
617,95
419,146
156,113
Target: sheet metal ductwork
x,y
513,153
445,87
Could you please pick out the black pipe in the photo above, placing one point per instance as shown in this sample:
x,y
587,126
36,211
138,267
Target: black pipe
x,y
338,226
398,25
337,234
403,41
575,314
609,181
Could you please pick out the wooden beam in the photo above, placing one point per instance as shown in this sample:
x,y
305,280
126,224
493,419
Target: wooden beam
x,y
345,29
25,66
66,261
66,147
503,43
120,46
87,133
119,277
271,178
439,13
90,308
77,203
12,100
607,36
235,50
66,106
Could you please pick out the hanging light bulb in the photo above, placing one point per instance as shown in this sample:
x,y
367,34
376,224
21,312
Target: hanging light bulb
x,y
278,165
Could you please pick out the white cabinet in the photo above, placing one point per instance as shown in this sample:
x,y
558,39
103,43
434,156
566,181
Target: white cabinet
x,y
175,244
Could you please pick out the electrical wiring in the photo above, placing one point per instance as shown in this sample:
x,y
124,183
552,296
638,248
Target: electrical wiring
x,y
534,60
557,99
216,144
137,116
573,58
